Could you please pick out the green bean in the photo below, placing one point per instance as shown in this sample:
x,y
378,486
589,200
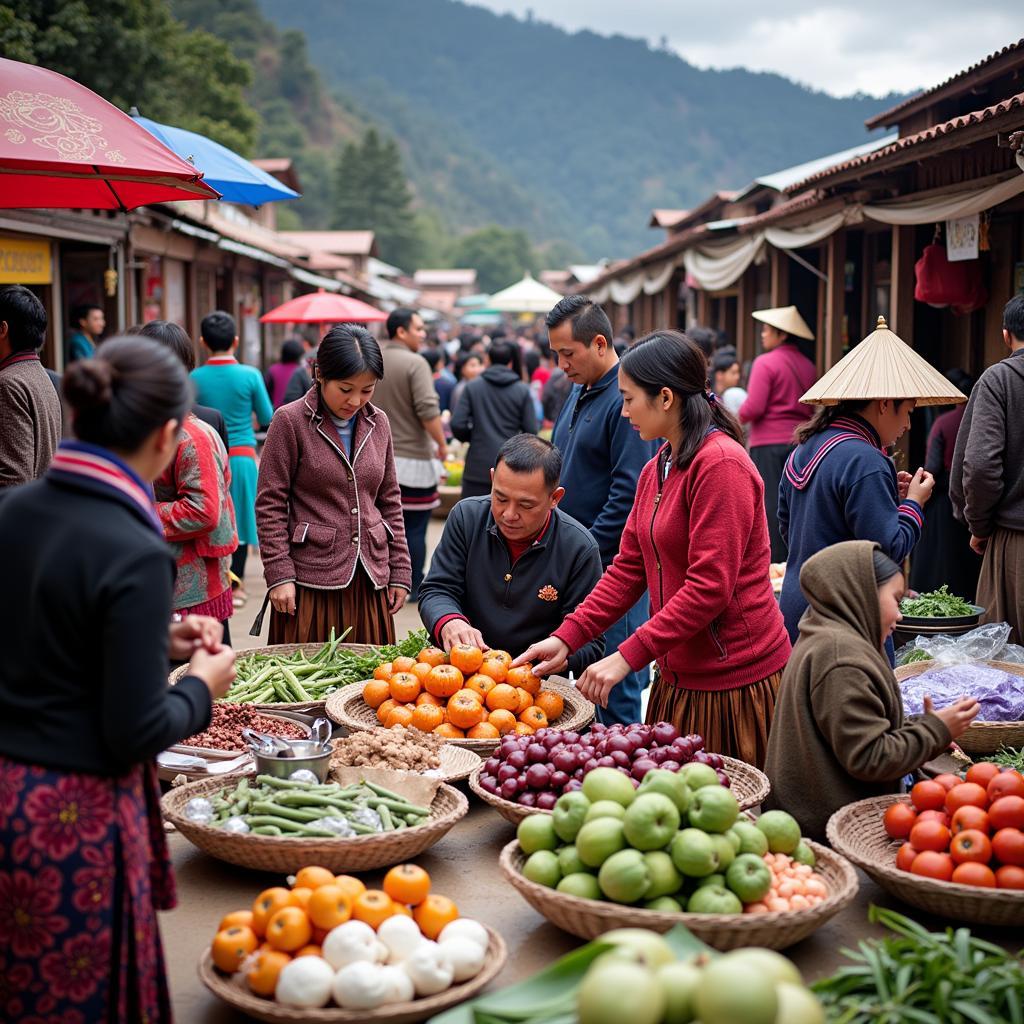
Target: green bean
x,y
294,813
381,791
385,818
399,806
266,830
275,783
290,827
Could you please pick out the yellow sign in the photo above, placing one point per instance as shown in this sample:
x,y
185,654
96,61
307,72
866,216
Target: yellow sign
x,y
25,261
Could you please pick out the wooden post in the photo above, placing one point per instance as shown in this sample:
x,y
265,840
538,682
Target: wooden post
x,y
901,315
835,294
780,277
744,307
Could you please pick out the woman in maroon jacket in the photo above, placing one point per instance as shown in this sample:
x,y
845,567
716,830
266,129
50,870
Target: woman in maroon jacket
x,y
328,507
697,540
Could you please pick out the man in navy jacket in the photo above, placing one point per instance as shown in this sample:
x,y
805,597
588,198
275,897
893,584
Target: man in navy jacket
x,y
602,457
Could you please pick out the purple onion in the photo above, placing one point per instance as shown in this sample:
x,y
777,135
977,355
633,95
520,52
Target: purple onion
x,y
590,765
724,779
509,788
491,765
701,758
573,785
527,799
642,767
670,766
715,760
546,801
563,761
640,752
517,759
622,760
538,776
536,753
559,779
571,737
605,762
621,744
598,727
507,771
664,733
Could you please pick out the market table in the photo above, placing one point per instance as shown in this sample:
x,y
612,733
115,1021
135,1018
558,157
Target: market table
x,y
464,866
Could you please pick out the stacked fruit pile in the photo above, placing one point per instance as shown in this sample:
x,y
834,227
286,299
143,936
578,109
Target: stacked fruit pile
x,y
330,938
465,693
677,842
968,831
535,771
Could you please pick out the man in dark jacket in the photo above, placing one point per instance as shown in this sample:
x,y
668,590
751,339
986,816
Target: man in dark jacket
x,y
510,567
986,481
490,410
603,456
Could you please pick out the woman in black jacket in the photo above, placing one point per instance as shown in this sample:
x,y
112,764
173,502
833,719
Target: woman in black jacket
x,y
491,409
85,627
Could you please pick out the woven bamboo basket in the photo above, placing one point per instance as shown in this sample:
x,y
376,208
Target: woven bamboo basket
x,y
750,786
285,855
305,707
980,738
857,832
233,990
777,930
347,707
457,763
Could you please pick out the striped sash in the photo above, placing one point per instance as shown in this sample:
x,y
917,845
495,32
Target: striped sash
x,y
850,430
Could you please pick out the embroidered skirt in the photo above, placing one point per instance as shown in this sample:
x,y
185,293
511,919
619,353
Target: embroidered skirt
x,y
83,870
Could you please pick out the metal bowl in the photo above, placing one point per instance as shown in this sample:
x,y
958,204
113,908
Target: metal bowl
x,y
307,755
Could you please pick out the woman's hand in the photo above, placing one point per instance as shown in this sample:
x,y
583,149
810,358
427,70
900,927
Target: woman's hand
x,y
597,681
191,634
920,487
396,598
282,597
548,656
216,670
955,717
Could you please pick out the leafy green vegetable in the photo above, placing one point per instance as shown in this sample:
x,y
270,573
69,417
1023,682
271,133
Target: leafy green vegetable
x,y
916,654
1008,757
938,604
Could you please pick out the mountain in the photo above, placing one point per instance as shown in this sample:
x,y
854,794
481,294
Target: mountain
x,y
567,135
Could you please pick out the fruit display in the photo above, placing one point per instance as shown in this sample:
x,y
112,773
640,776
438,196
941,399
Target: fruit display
x,y
328,939
676,843
227,722
463,694
968,831
400,749
534,771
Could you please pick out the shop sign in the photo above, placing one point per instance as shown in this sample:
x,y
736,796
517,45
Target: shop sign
x,y
25,261
962,238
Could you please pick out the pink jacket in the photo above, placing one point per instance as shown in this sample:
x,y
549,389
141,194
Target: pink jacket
x,y
318,514
777,380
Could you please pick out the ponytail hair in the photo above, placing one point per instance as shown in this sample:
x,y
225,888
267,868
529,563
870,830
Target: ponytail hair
x,y
670,359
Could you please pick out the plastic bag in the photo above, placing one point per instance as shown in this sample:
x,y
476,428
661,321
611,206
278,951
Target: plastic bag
x,y
1000,694
986,643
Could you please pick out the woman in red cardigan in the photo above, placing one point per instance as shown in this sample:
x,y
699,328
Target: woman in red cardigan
x,y
697,540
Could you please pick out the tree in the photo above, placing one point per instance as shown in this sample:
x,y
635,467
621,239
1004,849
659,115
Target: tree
x,y
500,256
371,191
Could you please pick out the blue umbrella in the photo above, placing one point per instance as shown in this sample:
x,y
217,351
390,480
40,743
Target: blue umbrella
x,y
237,180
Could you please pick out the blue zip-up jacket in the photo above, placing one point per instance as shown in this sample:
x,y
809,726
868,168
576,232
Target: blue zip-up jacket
x,y
840,485
602,456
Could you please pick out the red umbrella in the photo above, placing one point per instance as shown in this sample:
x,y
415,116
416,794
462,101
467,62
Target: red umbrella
x,y
323,308
63,146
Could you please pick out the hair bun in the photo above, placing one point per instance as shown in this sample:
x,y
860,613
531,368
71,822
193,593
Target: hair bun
x,y
89,384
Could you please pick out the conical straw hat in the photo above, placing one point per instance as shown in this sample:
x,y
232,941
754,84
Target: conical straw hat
x,y
883,366
785,318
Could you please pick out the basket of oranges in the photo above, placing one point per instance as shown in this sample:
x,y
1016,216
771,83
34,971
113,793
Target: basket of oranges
x,y
470,698
327,949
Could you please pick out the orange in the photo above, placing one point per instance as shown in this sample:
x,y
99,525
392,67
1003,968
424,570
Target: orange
x,y
429,698
497,655
443,681
231,946
263,977
289,929
311,950
466,658
240,918
432,656
450,732
350,885
433,914
483,731
329,906
522,729
373,907
384,671
502,720
427,717
480,684
497,670
503,696
401,908
550,703
464,712
401,715
405,687
385,709
403,664
312,877
301,896
525,700
522,675
467,692
421,670
267,904
375,692
407,883
534,717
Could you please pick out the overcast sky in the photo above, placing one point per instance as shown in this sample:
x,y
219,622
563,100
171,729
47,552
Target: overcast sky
x,y
872,46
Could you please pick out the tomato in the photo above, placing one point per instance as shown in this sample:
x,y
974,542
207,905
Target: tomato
x,y
974,874
1006,784
929,864
964,794
982,773
1010,877
1008,846
929,835
1007,812
899,820
928,795
971,846
948,780
940,816
970,816
905,857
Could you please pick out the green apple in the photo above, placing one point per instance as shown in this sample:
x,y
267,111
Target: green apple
x,y
713,809
679,983
651,821
569,814
693,853
598,840
665,878
670,784
767,963
664,904
798,1005
714,899
716,879
752,839
605,809
729,992
580,883
749,877
781,830
624,877
569,861
726,854
608,784
697,775
803,854
537,832
542,867
734,837
646,946
617,990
